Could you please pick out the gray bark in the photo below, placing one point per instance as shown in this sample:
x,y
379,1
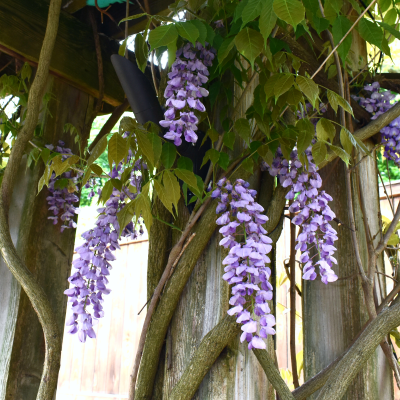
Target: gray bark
x,y
45,250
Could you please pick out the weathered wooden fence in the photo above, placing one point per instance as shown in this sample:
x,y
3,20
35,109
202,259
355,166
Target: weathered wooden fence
x,y
99,369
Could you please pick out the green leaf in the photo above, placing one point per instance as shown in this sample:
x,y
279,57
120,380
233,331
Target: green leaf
x,y
172,188
141,51
212,134
250,44
390,17
229,139
346,141
59,166
283,84
116,183
321,24
122,48
325,129
223,161
210,35
185,163
160,190
370,32
225,48
340,27
168,155
202,30
187,177
265,152
156,145
212,155
117,149
361,145
390,29
242,127
290,11
135,16
86,176
267,19
44,180
106,192
251,11
188,31
340,153
309,88
248,165
98,150
269,87
336,100
318,152
239,9
143,209
96,169
163,35
172,47
125,216
145,146
306,134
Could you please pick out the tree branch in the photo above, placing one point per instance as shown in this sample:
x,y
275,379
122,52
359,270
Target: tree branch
x,y
112,120
28,282
369,130
170,298
273,374
382,244
205,356
356,357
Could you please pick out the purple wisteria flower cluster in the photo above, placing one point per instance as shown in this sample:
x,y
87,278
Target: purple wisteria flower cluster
x,y
378,103
312,211
61,201
246,262
184,90
89,282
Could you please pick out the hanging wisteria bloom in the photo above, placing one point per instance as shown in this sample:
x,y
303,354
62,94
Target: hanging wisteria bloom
x,y
378,103
61,201
246,262
312,211
89,282
184,90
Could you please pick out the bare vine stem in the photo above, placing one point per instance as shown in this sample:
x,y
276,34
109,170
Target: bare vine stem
x,y
35,293
342,39
173,259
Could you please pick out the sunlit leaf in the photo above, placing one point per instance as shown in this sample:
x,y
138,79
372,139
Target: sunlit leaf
x,y
267,18
163,35
290,11
250,44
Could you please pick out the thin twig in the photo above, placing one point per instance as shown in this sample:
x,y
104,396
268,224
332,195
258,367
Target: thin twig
x,y
104,12
112,120
389,297
387,276
343,38
363,158
389,232
386,193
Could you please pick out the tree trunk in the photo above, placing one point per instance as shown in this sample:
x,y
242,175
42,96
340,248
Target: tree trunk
x,y
236,374
333,314
46,251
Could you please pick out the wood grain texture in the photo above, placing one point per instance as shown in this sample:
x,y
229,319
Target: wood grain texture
x,y
333,314
23,24
46,251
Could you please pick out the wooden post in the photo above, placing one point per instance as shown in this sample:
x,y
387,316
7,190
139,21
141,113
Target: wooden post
x,y
333,314
46,251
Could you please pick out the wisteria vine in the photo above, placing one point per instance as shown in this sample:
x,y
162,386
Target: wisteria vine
x,y
89,282
312,211
246,262
60,200
184,91
377,104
